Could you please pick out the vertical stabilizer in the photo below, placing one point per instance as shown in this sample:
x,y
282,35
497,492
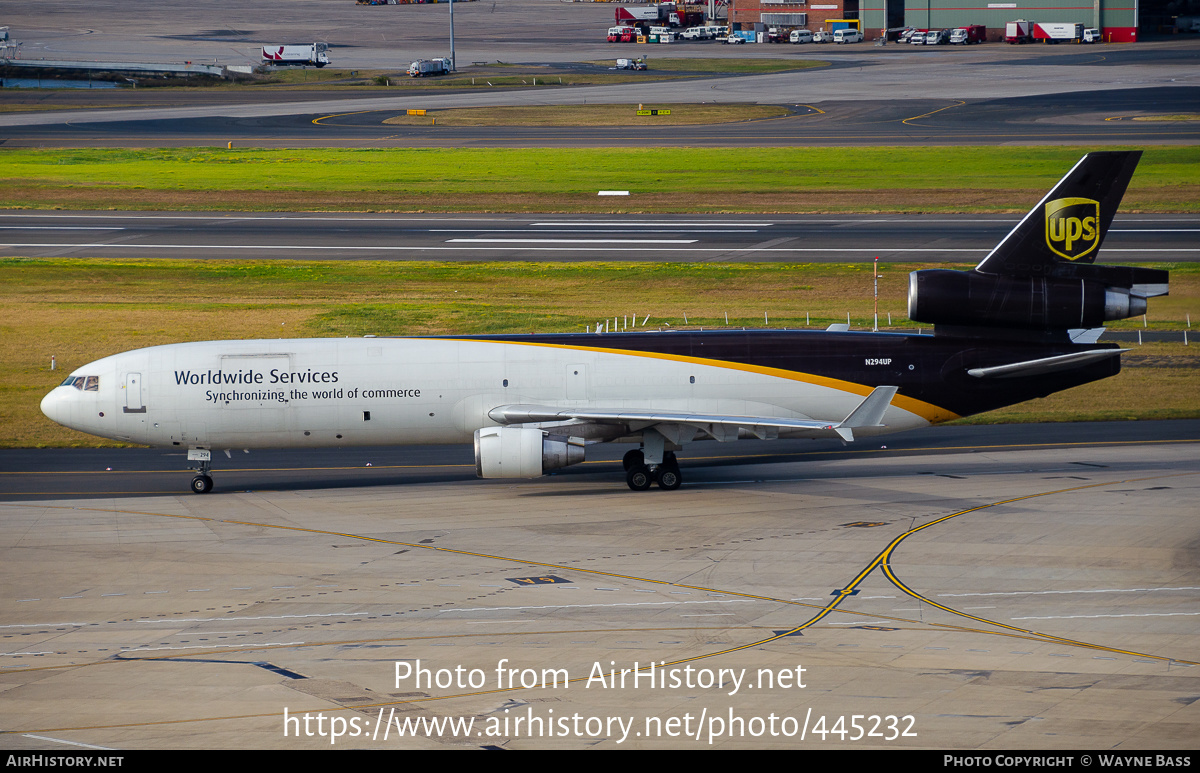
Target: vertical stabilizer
x,y
1069,224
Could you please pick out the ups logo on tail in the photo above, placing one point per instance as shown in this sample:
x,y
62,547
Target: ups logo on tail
x,y
1072,227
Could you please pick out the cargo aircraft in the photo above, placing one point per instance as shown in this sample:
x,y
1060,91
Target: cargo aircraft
x,y
1024,323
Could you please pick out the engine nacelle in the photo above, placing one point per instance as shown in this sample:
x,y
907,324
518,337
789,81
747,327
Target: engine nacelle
x,y
523,452
969,298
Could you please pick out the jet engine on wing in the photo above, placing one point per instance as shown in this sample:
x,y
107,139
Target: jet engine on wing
x,y
523,452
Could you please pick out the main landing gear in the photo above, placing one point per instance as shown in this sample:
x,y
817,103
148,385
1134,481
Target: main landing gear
x,y
640,476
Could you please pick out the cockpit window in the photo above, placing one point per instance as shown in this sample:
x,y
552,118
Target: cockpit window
x,y
83,383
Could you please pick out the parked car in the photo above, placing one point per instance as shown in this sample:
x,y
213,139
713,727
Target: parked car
x,y
937,37
800,36
733,39
822,36
917,39
847,36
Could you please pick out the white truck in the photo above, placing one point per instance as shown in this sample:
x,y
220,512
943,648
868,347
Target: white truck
x,y
309,53
424,67
1055,32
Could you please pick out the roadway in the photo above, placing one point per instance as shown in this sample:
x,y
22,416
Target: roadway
x,y
687,238
1085,117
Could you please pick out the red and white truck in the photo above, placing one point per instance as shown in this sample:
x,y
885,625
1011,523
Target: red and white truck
x,y
312,53
1019,31
661,15
1053,32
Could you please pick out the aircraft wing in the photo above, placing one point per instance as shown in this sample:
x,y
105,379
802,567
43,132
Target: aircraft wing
x,y
869,413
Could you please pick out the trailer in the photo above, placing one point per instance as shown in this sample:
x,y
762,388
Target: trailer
x,y
1019,31
662,15
309,53
1056,32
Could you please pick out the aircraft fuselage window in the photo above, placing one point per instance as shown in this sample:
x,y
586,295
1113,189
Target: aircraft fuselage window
x,y
92,385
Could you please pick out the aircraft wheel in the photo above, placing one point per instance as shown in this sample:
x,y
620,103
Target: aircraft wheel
x,y
639,478
669,477
633,459
202,484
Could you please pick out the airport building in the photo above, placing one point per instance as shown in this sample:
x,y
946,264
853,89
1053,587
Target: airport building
x,y
1116,19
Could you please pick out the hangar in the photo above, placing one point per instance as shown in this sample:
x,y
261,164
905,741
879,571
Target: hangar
x,y
1116,19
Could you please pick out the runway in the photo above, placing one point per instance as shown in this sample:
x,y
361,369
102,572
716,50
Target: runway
x,y
966,594
685,238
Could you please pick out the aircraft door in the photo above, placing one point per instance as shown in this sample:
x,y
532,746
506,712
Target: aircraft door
x,y
133,393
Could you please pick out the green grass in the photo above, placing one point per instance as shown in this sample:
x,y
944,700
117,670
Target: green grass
x,y
79,310
552,179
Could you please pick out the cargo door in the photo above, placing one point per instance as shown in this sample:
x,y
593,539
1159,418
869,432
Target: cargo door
x,y
133,393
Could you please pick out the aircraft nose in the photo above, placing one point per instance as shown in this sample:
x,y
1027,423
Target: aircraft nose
x,y
52,406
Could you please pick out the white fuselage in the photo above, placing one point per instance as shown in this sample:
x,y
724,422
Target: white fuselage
x,y
376,391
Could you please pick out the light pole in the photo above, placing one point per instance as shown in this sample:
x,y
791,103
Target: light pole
x,y
875,271
453,61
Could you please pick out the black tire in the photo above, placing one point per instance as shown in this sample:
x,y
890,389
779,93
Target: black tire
x,y
639,478
669,477
633,459
202,484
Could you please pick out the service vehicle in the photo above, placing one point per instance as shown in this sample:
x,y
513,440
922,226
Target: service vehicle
x,y
847,36
975,33
1091,35
316,54
621,34
426,67
1019,31
937,37
800,36
733,39
631,64
822,36
1058,32
917,38
697,33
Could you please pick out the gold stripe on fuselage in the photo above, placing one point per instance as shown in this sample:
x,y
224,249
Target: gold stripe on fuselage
x,y
927,411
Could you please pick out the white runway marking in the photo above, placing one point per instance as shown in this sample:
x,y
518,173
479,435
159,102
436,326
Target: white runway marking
x,y
577,241
1063,592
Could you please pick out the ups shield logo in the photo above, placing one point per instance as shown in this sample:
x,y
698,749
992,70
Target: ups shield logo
x,y
1072,227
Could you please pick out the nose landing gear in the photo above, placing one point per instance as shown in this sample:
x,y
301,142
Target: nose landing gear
x,y
203,482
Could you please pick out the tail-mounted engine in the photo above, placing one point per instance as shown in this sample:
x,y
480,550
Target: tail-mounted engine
x,y
972,299
523,452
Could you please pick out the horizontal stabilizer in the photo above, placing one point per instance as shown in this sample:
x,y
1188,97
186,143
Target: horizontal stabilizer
x,y
1045,364
869,412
